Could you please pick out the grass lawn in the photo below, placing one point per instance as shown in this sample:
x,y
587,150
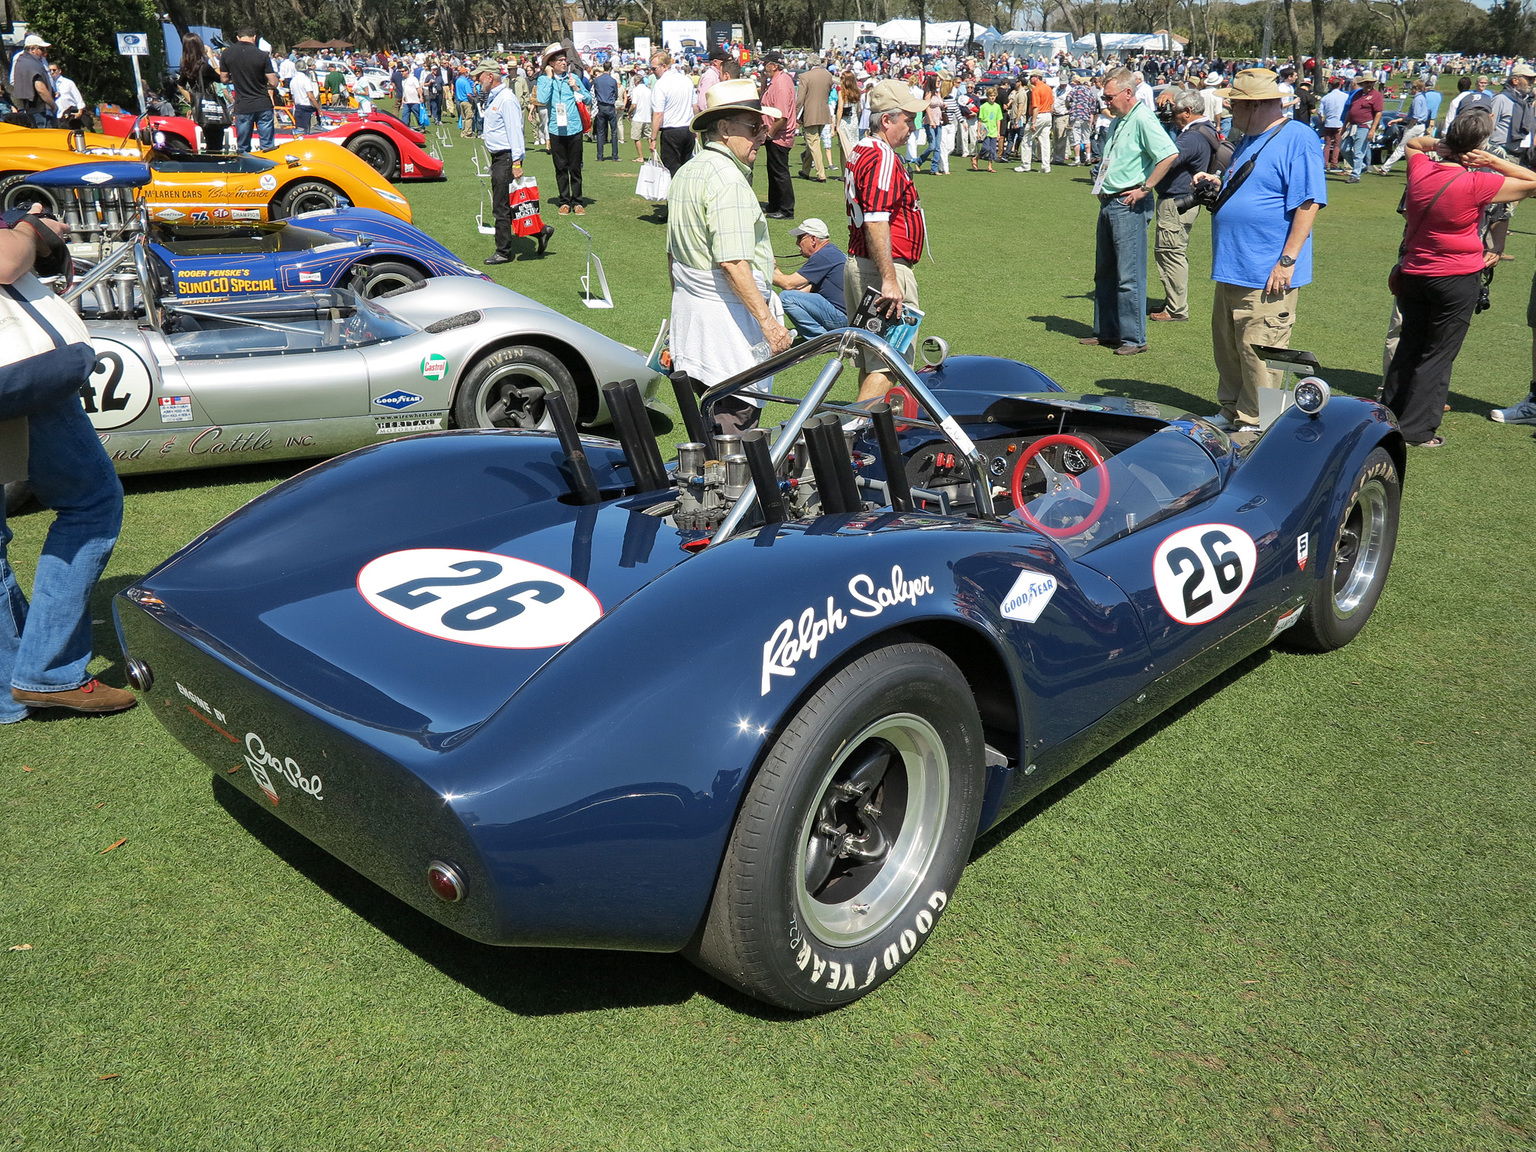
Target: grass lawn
x,y
1297,913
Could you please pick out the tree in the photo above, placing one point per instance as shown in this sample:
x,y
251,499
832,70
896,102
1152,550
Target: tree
x,y
84,44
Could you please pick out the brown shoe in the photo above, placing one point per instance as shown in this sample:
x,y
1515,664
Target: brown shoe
x,y
1166,317
90,697
1095,342
1130,349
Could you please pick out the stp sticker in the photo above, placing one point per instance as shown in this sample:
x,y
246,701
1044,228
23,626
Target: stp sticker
x,y
480,598
1302,543
268,182
397,399
1030,593
434,367
175,409
1201,572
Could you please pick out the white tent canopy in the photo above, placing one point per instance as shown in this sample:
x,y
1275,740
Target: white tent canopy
x,y
952,34
1123,42
1036,43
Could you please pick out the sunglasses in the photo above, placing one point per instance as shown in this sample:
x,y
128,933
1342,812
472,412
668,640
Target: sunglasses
x,y
756,131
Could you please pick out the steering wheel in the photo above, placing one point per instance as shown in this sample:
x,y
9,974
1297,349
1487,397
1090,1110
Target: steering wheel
x,y
1060,487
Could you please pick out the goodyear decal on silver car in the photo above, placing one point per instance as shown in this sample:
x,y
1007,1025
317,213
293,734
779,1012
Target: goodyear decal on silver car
x,y
397,399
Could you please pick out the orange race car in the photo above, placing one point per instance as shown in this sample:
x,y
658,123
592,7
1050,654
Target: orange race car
x,y
297,176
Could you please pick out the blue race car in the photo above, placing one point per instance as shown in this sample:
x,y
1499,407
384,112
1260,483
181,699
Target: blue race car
x,y
221,252
754,707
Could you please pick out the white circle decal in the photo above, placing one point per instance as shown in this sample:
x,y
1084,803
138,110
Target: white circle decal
x,y
119,388
1202,571
480,598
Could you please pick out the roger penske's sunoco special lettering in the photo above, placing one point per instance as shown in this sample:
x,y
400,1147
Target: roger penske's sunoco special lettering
x,y
802,637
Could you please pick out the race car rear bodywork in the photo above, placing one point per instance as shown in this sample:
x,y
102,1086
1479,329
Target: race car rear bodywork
x,y
518,710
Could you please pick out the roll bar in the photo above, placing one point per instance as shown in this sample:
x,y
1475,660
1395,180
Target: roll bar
x,y
840,344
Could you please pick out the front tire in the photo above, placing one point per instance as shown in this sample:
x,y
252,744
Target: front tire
x,y
1356,566
502,390
853,835
305,196
376,152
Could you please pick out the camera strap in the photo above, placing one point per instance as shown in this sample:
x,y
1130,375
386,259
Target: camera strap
x,y
1402,248
1241,175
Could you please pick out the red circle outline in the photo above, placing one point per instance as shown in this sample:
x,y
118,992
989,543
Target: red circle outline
x,y
1016,483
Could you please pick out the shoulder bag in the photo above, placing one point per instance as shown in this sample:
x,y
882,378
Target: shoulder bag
x,y
36,383
1240,177
1394,277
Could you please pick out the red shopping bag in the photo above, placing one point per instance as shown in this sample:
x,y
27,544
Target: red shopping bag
x,y
526,220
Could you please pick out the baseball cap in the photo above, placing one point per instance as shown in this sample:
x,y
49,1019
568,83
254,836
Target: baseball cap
x,y
1522,70
893,96
35,41
812,226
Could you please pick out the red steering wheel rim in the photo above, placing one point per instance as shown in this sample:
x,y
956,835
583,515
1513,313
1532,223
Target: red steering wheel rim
x,y
1016,484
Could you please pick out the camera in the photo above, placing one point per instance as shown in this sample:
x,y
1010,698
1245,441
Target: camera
x,y
1202,193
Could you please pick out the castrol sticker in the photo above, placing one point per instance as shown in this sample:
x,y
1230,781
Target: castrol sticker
x,y
480,598
1202,571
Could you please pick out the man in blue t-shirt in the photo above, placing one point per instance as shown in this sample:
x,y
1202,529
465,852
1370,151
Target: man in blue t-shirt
x,y
813,296
1261,240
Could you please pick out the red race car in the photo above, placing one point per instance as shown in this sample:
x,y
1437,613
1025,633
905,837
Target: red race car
x,y
380,140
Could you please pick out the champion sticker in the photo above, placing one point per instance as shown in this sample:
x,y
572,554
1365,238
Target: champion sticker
x,y
1030,593
175,409
434,367
480,598
309,277
1201,572
397,399
246,214
268,182
1302,543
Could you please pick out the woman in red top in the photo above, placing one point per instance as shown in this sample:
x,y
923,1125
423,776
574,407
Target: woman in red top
x,y
1442,264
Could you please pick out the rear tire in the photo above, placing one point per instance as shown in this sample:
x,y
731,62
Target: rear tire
x,y
372,280
853,834
376,152
19,192
494,393
1356,565
305,196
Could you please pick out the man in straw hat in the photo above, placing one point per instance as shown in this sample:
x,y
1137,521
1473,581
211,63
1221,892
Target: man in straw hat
x,y
1261,240
562,94
1361,115
725,317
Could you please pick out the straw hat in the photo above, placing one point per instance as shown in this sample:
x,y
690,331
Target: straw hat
x,y
1253,84
731,96
555,49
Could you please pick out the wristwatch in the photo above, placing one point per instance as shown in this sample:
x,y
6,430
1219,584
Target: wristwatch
x,y
1286,261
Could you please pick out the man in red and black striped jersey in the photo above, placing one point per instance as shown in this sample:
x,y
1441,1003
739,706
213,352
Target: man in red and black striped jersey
x,y
885,221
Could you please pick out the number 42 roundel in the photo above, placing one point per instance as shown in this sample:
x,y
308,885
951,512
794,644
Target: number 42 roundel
x,y
480,598
1201,572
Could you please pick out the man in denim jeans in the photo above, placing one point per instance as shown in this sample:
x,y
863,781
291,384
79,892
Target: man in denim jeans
x,y
249,69
45,647
1136,157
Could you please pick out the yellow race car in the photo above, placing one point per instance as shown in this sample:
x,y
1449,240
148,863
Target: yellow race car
x,y
190,188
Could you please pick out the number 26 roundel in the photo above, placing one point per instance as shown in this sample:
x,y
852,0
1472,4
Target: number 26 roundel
x,y
1201,572
480,598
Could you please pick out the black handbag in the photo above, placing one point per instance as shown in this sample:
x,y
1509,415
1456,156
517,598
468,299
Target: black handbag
x,y
39,382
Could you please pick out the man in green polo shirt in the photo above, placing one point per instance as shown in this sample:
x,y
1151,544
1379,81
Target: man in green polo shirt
x,y
725,317
1137,156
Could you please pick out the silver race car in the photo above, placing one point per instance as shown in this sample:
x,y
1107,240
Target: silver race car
x,y
192,383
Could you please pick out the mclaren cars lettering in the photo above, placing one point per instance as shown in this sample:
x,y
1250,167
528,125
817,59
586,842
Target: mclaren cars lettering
x,y
259,760
1030,593
801,637
480,598
1202,571
119,387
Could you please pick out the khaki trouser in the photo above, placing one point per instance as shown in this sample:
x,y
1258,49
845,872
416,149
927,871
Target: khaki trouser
x,y
1037,135
1170,249
1241,317
859,273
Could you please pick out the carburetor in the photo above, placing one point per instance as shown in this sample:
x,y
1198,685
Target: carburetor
x,y
706,488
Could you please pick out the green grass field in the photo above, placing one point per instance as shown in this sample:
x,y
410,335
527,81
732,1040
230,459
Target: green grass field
x,y
1299,912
